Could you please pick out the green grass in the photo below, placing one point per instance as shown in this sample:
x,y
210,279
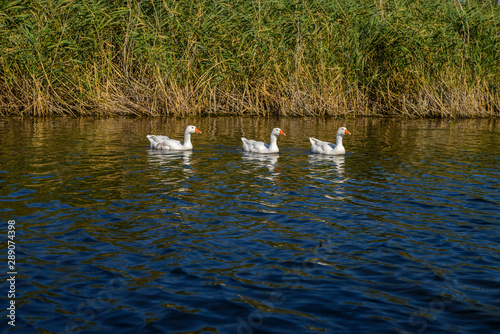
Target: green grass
x,y
276,57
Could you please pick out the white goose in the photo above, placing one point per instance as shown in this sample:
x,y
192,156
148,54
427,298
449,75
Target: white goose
x,y
261,147
323,147
165,143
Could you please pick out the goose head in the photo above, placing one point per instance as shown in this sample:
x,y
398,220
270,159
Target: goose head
x,y
192,129
342,131
277,131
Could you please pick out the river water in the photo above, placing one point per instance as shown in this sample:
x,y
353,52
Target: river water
x,y
400,235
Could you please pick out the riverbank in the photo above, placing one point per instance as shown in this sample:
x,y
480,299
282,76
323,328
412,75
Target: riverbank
x,y
307,58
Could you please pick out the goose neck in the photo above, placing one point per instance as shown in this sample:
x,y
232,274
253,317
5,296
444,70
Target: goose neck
x,y
274,140
339,140
187,138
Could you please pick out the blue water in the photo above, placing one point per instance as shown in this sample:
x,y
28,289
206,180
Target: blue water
x,y
402,235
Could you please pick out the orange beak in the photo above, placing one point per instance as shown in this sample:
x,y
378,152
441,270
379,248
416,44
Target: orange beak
x,y
347,132
282,133
198,131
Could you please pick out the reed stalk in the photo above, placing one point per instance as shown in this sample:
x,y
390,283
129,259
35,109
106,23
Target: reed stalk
x,y
250,57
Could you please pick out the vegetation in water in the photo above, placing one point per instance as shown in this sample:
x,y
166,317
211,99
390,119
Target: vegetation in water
x,y
415,58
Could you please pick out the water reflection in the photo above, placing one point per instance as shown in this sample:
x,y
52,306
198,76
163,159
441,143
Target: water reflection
x,y
328,164
262,160
174,169
166,158
408,219
337,160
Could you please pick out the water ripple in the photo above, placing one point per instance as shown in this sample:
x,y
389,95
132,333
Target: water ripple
x,y
388,238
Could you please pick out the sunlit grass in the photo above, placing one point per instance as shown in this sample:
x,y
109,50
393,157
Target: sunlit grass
x,y
296,58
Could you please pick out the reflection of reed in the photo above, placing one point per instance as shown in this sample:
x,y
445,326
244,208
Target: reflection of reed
x,y
65,146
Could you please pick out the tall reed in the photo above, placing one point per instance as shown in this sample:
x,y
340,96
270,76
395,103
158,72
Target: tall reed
x,y
250,57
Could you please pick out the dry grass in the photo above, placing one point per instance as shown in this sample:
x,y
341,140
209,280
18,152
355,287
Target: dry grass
x,y
305,58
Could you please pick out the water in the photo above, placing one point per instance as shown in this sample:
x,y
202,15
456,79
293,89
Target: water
x,y
399,236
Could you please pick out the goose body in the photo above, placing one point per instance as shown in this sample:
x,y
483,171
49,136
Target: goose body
x,y
323,147
165,143
261,147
